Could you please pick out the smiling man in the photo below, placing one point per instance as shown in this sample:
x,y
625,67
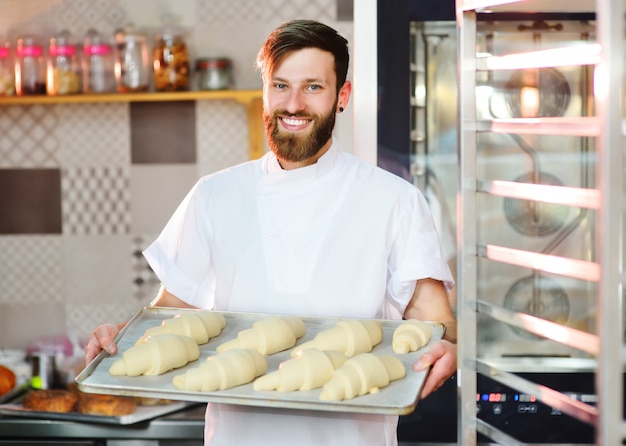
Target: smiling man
x,y
308,230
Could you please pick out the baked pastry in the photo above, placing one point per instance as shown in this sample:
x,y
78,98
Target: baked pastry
x,y
200,325
157,355
350,337
223,371
310,369
362,374
7,380
268,335
50,400
106,405
410,336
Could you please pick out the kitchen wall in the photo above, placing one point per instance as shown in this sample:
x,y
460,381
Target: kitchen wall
x,y
85,187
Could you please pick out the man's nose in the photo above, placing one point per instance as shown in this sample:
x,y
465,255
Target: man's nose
x,y
295,102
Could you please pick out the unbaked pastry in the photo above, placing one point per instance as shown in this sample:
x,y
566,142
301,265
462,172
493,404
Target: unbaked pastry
x,y
223,371
350,337
310,369
362,374
410,336
156,355
268,335
200,325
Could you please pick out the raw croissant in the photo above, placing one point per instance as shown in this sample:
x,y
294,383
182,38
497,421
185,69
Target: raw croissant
x,y
223,371
410,336
364,373
156,355
350,337
200,325
309,370
268,335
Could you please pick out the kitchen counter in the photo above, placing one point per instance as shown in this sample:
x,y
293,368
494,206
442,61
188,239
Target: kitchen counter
x,y
185,427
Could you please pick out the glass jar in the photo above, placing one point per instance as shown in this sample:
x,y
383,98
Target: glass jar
x,y
30,66
214,73
170,60
97,64
132,66
7,79
63,68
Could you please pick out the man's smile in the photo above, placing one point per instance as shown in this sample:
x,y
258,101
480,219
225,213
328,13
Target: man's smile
x,y
294,124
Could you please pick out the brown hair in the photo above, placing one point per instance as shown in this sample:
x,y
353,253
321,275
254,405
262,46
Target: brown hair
x,y
300,34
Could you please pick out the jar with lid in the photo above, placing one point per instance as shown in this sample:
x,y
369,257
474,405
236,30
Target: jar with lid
x,y
214,73
170,60
30,66
7,82
63,68
132,65
97,64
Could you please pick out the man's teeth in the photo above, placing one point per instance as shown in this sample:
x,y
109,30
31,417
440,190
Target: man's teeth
x,y
291,121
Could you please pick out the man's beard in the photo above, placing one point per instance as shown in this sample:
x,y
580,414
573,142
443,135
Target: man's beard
x,y
295,147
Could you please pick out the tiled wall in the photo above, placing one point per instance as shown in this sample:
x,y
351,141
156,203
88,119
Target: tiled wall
x,y
85,187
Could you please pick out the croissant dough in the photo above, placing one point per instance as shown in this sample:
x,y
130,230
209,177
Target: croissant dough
x,y
311,369
350,337
200,325
156,355
268,335
410,336
223,371
362,374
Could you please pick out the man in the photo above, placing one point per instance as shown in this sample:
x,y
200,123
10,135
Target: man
x,y
306,230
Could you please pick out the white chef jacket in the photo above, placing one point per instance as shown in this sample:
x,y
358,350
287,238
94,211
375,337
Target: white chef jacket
x,y
339,238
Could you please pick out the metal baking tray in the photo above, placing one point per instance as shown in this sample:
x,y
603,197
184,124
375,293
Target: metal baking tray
x,y
143,413
400,397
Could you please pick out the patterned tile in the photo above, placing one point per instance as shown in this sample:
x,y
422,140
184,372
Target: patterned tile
x,y
96,201
97,269
79,16
145,282
31,270
29,136
94,135
222,135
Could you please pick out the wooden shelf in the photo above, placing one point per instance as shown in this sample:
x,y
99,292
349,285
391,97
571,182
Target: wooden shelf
x,y
243,96
251,99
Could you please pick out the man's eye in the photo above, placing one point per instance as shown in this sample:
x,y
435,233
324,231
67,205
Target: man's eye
x,y
281,86
314,87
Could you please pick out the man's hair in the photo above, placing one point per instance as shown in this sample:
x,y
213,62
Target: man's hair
x,y
300,34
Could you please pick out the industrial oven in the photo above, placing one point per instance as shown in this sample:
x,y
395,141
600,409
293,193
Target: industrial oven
x,y
417,139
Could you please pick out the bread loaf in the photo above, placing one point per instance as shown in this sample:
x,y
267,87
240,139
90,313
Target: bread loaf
x,y
223,371
350,337
309,370
200,325
50,400
268,335
362,374
410,336
156,355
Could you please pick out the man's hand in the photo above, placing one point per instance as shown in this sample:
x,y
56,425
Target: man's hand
x,y
102,338
441,356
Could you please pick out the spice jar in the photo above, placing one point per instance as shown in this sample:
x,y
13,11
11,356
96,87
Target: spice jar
x,y
97,64
214,73
63,68
7,82
132,69
170,60
30,66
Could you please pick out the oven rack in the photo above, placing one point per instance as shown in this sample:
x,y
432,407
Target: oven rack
x,y
605,57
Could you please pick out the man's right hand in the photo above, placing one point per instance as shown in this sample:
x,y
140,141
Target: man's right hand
x,y
102,338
